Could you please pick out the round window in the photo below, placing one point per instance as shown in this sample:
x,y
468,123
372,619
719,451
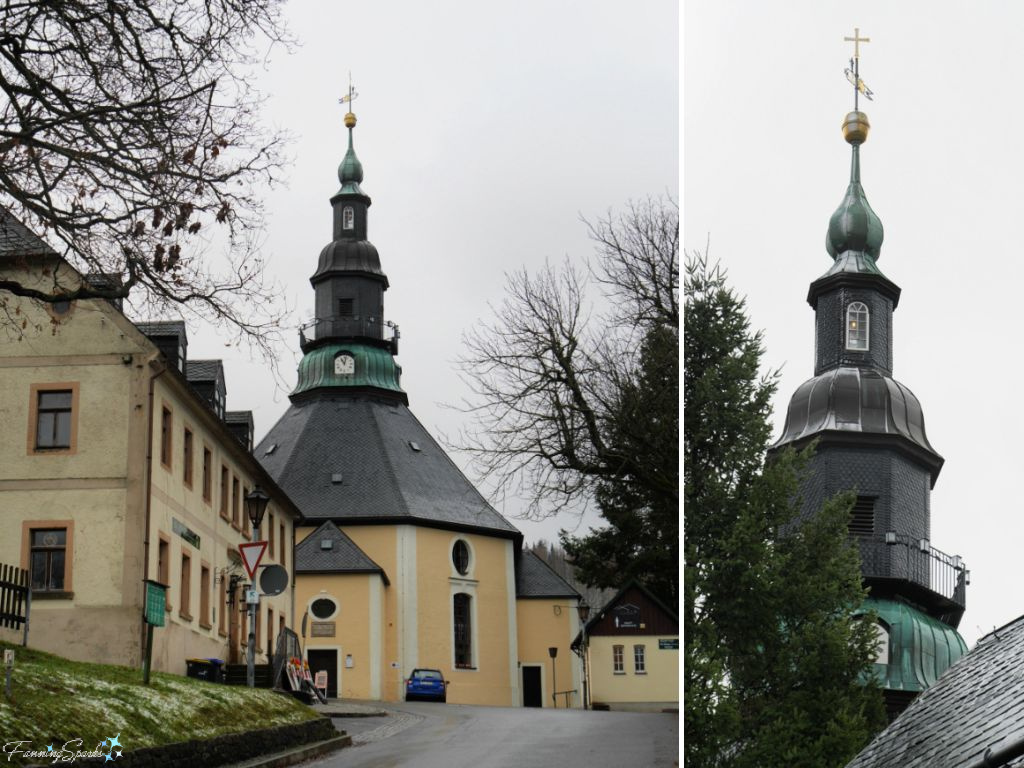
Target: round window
x,y
460,557
323,608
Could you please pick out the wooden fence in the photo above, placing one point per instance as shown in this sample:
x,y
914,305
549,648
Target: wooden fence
x,y
15,599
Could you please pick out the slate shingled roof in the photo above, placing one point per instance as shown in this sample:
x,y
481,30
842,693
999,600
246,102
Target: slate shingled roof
x,y
18,240
354,458
204,370
343,556
978,704
535,578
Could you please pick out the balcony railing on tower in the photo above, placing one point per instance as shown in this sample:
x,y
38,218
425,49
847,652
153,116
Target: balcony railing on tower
x,y
354,326
936,579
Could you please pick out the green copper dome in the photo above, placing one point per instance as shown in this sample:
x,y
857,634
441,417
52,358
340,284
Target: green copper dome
x,y
920,648
350,172
855,228
370,367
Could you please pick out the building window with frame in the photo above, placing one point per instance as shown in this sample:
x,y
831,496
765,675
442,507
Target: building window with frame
x,y
618,665
185,602
222,606
857,325
236,509
163,567
462,617
348,218
207,475
166,436
281,546
270,535
246,523
204,596
639,660
224,498
53,418
48,559
270,631
186,455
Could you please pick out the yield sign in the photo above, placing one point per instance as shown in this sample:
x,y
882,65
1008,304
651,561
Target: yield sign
x,y
252,553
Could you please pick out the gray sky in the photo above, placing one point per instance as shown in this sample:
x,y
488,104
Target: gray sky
x,y
765,166
485,130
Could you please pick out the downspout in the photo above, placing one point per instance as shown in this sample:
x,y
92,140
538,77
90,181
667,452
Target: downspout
x,y
149,482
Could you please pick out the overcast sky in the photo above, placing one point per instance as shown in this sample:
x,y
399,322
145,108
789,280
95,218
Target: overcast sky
x,y
485,130
765,166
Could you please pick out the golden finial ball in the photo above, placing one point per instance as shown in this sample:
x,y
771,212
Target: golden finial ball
x,y
856,127
350,120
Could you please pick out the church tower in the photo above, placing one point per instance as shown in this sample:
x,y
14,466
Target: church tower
x,y
871,439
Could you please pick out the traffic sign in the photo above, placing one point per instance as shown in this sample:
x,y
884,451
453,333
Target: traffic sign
x,y
252,553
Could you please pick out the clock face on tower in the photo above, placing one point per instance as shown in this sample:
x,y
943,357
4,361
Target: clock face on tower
x,y
344,365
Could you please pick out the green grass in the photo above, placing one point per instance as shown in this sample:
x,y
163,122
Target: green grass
x,y
54,700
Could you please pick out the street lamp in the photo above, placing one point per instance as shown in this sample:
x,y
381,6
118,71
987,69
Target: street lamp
x,y
553,652
584,611
255,506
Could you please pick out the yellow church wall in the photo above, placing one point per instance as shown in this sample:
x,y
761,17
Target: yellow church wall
x,y
491,625
357,637
551,623
657,688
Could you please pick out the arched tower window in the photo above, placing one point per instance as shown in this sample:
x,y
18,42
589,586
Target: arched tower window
x,y
348,218
857,321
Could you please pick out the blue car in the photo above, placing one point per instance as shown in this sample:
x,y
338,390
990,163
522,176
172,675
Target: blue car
x,y
426,684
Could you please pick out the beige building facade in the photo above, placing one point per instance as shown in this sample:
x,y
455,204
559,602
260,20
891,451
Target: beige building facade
x,y
117,471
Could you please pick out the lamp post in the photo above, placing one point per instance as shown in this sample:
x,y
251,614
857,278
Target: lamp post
x,y
553,652
255,506
584,611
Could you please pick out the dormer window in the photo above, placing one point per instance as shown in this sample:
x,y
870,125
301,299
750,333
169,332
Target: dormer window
x,y
348,218
857,326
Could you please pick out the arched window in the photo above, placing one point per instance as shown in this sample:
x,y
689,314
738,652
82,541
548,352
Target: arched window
x,y
857,321
348,218
461,615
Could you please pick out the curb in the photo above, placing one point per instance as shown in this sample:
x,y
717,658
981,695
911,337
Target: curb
x,y
297,755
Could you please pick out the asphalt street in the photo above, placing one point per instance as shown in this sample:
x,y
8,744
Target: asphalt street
x,y
430,735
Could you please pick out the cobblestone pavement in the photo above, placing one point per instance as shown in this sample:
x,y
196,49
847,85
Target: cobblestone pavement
x,y
395,722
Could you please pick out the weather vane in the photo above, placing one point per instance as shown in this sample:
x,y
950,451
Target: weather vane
x,y
347,99
853,72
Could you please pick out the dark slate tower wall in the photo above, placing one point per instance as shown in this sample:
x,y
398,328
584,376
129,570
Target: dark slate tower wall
x,y
830,330
367,311
900,487
359,231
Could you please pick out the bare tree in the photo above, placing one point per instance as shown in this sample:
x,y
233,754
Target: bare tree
x,y
130,142
549,376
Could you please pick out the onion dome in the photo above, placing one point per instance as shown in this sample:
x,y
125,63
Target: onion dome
x,y
855,402
349,256
363,366
918,648
350,172
854,228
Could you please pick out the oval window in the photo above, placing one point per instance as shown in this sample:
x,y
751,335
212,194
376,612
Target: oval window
x,y
460,557
323,608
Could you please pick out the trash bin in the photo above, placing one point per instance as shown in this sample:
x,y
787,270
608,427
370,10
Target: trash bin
x,y
217,671
200,668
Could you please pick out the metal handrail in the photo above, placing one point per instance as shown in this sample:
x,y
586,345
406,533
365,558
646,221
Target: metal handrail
x,y
917,561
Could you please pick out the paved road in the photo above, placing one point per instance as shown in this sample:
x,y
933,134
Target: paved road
x,y
428,735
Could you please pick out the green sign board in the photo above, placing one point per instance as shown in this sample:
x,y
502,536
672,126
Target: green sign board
x,y
156,603
669,645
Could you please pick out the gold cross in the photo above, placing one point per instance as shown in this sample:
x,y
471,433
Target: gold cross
x,y
856,40
351,93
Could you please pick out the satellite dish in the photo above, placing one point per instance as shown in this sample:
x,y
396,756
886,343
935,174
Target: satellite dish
x,y
273,580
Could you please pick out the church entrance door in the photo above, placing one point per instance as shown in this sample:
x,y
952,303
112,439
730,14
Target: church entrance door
x,y
532,695
325,660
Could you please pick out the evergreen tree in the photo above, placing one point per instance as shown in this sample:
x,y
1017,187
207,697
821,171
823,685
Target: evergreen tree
x,y
777,670
641,538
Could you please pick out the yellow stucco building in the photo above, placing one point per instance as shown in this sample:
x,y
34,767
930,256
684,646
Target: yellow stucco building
x,y
632,648
122,464
401,563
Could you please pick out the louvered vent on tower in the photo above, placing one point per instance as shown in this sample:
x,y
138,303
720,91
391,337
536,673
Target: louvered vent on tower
x,y
862,516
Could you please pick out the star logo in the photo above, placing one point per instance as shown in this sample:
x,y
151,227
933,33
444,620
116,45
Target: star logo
x,y
49,748
115,741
